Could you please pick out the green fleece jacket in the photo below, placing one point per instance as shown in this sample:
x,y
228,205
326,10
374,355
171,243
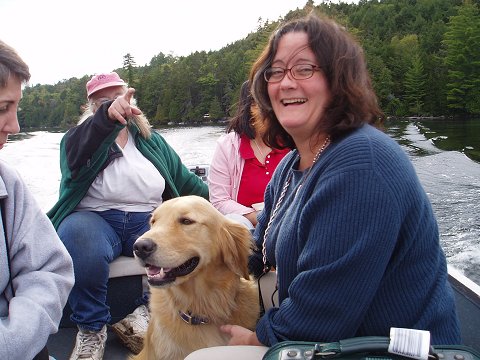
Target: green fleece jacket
x,y
88,148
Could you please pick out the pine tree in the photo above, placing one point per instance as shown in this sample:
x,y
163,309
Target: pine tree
x,y
129,66
415,80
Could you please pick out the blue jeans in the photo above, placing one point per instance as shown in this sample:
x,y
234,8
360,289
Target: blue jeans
x,y
94,240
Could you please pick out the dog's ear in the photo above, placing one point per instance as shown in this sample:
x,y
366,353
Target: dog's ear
x,y
236,247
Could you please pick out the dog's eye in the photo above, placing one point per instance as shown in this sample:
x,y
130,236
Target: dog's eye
x,y
186,221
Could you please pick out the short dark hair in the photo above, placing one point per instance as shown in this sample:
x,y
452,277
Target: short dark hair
x,y
11,64
342,60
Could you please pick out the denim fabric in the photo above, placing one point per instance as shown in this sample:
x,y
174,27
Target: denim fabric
x,y
94,239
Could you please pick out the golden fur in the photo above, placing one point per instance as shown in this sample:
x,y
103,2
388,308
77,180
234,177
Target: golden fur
x,y
219,288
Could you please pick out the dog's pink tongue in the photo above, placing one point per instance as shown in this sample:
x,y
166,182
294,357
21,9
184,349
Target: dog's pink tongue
x,y
157,272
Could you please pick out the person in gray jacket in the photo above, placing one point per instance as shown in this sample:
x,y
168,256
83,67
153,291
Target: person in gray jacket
x,y
36,271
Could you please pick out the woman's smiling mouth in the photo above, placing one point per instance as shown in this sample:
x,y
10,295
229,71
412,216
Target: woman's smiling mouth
x,y
293,101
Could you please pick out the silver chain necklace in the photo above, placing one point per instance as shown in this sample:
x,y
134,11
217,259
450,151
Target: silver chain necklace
x,y
281,197
261,152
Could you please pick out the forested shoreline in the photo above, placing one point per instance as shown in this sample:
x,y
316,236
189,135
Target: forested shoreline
x,y
423,56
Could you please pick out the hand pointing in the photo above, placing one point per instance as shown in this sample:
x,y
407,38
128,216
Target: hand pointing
x,y
121,109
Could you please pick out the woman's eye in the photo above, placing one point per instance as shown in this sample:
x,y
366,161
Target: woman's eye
x,y
304,70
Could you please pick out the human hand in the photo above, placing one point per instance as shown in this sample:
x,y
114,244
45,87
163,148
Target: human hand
x,y
240,336
121,109
252,217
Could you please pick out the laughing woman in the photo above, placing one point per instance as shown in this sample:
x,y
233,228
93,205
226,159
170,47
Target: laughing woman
x,y
346,224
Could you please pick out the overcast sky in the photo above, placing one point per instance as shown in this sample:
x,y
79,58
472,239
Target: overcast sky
x,y
61,39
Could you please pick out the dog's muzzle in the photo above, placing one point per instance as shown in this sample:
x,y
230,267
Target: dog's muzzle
x,y
143,248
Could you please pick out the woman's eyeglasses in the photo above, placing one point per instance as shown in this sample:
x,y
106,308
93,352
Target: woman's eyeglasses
x,y
298,72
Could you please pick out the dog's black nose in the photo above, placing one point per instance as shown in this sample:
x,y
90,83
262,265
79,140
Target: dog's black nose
x,y
144,247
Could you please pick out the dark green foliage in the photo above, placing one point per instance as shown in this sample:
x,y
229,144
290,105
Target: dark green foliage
x,y
423,56
462,43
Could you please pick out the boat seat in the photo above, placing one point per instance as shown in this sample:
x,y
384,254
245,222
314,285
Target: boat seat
x,y
125,266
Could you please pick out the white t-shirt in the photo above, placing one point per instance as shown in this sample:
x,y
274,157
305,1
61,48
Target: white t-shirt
x,y
129,183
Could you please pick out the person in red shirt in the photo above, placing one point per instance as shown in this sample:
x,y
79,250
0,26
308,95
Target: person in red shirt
x,y
242,164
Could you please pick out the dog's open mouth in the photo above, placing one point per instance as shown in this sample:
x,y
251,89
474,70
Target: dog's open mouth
x,y
159,276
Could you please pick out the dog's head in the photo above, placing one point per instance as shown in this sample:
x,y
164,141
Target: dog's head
x,y
187,235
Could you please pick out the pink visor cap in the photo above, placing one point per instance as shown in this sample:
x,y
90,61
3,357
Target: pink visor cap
x,y
102,81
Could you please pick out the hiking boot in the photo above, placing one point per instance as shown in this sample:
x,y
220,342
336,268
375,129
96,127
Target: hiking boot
x,y
132,329
89,345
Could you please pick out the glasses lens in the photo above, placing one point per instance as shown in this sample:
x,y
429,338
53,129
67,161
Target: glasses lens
x,y
302,71
274,74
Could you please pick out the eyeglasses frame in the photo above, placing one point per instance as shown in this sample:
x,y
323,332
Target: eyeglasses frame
x,y
289,70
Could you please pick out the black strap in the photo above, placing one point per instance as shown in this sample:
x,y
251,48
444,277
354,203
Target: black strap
x,y
272,296
262,305
2,207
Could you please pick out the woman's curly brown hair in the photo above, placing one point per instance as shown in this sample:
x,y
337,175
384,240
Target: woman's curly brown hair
x,y
342,61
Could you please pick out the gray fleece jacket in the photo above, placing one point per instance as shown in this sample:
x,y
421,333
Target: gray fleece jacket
x,y
42,272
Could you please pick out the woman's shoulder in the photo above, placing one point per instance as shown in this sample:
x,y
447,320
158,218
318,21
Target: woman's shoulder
x,y
369,141
368,148
229,142
155,136
364,133
11,182
8,173
229,138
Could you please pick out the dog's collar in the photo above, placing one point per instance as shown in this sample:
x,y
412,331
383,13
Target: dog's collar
x,y
192,319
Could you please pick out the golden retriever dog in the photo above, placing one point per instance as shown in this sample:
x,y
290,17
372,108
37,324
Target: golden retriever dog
x,y
196,262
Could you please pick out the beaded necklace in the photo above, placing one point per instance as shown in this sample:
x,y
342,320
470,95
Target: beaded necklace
x,y
281,197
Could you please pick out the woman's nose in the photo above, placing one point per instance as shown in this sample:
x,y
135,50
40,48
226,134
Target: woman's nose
x,y
11,125
288,81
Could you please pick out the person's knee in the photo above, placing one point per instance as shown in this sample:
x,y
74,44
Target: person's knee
x,y
83,235
81,228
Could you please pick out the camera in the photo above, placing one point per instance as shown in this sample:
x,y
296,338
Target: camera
x,y
296,354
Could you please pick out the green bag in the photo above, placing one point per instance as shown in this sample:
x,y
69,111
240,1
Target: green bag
x,y
361,348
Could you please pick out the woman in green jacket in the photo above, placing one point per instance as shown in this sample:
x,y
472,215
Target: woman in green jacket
x,y
115,171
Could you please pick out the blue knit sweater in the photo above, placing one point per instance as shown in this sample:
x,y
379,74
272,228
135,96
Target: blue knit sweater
x,y
356,249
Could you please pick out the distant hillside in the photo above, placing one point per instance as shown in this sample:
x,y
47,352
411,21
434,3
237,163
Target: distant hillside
x,y
423,57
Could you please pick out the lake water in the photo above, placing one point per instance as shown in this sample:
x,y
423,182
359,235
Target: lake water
x,y
438,150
